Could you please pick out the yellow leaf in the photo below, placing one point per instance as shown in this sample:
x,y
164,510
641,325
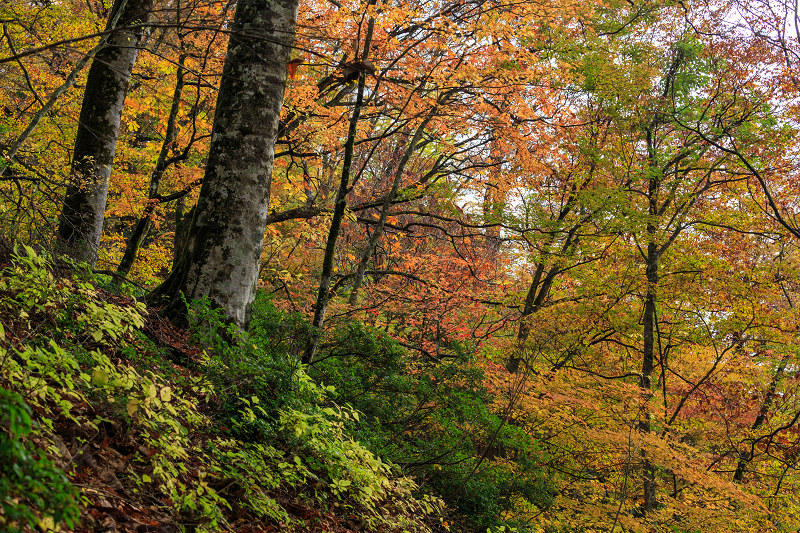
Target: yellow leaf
x,y
133,406
47,524
166,394
99,377
150,391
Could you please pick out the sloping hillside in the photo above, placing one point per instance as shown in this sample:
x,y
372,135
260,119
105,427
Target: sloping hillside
x,y
112,420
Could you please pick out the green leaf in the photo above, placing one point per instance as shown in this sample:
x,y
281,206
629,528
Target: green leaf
x,y
99,377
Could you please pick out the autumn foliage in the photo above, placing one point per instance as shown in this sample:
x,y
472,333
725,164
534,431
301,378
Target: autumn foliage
x,y
563,273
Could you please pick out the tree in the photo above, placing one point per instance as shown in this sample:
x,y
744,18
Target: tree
x,y
221,256
81,221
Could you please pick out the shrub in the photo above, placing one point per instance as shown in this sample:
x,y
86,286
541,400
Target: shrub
x,y
33,489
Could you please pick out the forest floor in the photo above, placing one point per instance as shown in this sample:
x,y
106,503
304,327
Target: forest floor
x,y
140,461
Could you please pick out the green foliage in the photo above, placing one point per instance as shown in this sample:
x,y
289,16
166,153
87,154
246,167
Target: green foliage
x,y
32,488
253,365
70,303
252,471
435,418
55,378
32,284
267,426
264,396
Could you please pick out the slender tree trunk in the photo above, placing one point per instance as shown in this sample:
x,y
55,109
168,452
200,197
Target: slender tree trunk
x,y
69,81
222,253
536,292
387,202
144,223
648,364
81,221
323,294
649,323
746,456
540,285
652,259
182,222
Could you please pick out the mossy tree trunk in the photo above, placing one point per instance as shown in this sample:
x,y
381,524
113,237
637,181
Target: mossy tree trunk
x,y
81,222
220,259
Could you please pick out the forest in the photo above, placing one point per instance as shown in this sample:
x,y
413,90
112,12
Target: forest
x,y
400,266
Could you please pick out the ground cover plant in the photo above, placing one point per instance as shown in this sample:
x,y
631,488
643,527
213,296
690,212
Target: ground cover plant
x,y
92,436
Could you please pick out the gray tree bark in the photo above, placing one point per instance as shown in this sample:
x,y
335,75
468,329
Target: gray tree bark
x,y
221,255
81,221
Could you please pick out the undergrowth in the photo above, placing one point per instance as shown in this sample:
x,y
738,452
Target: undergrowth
x,y
247,441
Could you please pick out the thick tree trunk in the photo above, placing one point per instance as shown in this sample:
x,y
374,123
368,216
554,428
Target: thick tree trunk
x,y
81,221
221,257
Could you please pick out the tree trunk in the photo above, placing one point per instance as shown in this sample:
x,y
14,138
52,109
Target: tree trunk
x,y
649,323
144,223
221,257
81,221
648,364
536,293
182,223
323,293
387,202
539,288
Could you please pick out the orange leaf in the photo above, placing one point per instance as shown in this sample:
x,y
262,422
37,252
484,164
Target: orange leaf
x,y
292,66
